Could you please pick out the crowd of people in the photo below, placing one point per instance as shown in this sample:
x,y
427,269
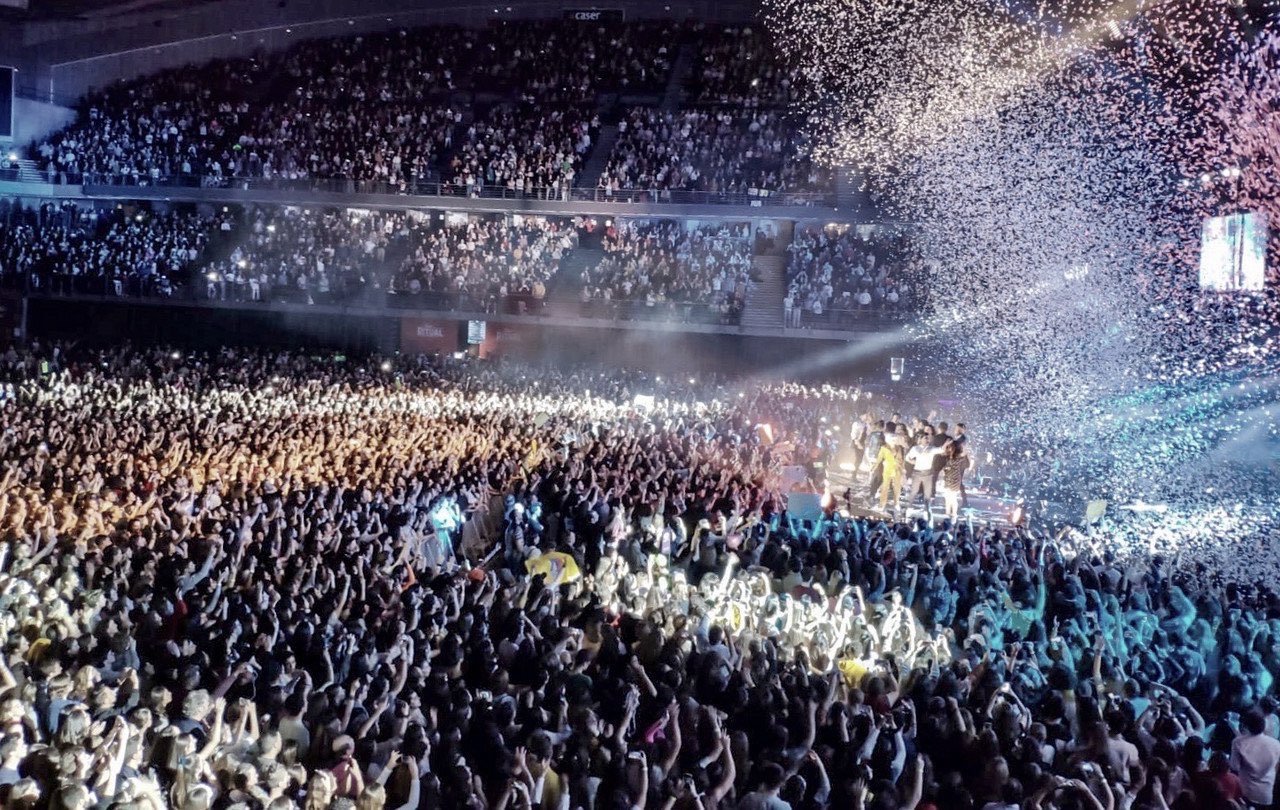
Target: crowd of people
x,y
353,255
839,274
514,106
245,579
374,258
835,275
738,66
284,254
306,255
370,109
486,260
567,63
62,248
719,151
524,149
666,266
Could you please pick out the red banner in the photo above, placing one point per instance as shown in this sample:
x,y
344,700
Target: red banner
x,y
422,336
510,340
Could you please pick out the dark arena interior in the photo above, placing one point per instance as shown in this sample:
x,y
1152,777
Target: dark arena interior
x,y
753,404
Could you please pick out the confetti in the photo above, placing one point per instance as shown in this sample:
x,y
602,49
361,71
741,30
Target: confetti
x,y
1056,165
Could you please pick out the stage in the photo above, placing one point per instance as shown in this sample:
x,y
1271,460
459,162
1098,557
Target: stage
x,y
986,504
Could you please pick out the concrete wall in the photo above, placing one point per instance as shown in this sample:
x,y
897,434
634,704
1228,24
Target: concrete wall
x,y
670,351
679,352
33,120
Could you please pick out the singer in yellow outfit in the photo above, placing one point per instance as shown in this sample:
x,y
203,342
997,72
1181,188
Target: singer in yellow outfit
x,y
891,457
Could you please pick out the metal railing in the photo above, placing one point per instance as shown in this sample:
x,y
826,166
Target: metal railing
x,y
674,312
852,319
437,188
125,288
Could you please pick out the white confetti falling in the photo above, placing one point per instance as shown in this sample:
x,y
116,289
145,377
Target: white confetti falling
x,y
1057,163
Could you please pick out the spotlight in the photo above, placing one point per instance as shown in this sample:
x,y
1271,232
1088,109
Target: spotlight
x,y
386,365
212,276
176,355
1206,178
1226,172
1018,514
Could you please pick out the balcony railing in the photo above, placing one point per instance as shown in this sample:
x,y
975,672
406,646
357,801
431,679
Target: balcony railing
x,y
369,299
855,319
436,188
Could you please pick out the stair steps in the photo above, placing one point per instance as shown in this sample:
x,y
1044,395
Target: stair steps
x,y
763,307
601,151
681,71
29,172
566,284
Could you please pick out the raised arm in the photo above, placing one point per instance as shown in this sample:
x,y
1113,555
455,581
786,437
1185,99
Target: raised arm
x,y
722,789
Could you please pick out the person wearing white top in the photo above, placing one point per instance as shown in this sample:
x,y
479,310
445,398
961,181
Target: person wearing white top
x,y
1254,759
921,458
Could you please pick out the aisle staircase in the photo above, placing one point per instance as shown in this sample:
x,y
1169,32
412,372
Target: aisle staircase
x,y
441,159
29,172
681,70
601,150
850,194
763,308
220,243
567,282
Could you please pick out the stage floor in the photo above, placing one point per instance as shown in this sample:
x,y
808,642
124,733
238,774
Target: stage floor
x,y
985,506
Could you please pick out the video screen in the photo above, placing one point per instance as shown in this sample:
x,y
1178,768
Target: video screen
x,y
1233,253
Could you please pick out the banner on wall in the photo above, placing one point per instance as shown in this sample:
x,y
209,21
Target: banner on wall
x,y
595,15
507,339
425,336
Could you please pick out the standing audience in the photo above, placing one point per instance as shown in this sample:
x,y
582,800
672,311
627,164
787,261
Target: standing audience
x,y
260,580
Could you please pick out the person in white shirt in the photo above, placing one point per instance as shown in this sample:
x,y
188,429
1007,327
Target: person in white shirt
x,y
921,457
1254,759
